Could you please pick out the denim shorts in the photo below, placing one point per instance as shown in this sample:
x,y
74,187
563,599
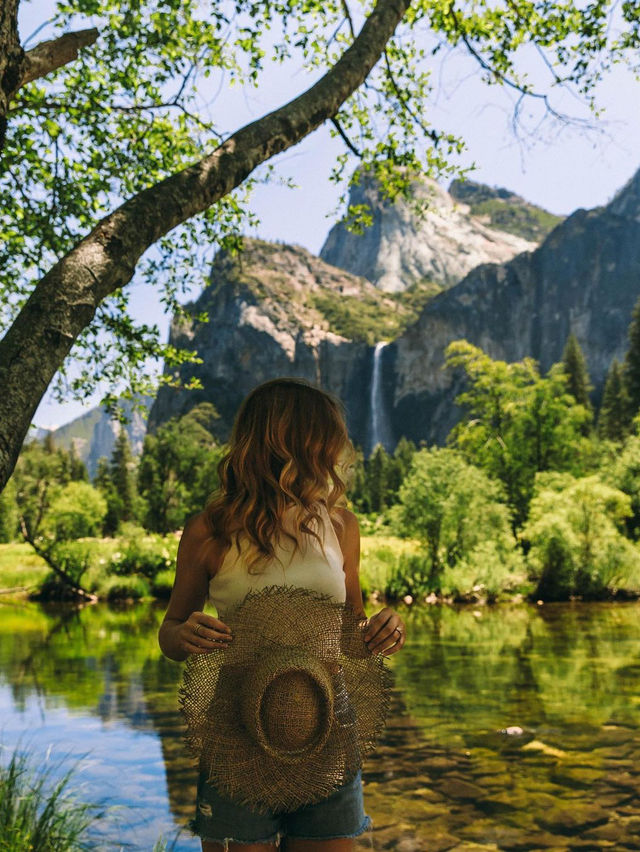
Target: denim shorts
x,y
221,820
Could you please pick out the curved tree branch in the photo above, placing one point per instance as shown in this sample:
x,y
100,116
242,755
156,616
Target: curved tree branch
x,y
49,55
19,67
64,302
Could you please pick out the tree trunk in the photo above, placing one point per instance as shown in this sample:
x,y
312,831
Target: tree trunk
x,y
11,60
64,302
17,67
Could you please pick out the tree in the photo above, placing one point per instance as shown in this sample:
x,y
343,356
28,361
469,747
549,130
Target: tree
x,y
574,364
356,483
576,543
78,471
178,470
451,506
399,466
516,422
631,364
614,408
123,476
376,479
622,471
77,511
80,212
42,474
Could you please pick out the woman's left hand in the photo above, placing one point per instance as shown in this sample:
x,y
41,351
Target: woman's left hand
x,y
385,632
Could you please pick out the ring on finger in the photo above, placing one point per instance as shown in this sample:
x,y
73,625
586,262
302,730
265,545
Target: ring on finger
x,y
197,629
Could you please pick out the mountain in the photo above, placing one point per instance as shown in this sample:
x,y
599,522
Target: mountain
x,y
278,310
94,433
401,248
584,277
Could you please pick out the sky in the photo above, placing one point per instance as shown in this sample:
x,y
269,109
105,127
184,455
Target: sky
x,y
559,167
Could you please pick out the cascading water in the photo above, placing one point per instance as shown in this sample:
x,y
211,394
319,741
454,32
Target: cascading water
x,y
379,427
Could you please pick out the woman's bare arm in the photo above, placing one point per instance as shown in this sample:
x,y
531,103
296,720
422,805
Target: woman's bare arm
x,y
386,632
349,538
176,636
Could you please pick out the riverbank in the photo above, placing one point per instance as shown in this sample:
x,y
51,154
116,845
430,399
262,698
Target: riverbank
x,y
138,566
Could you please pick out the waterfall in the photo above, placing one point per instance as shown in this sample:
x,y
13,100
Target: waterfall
x,y
379,428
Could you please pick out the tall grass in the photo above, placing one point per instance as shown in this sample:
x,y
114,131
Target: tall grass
x,y
39,815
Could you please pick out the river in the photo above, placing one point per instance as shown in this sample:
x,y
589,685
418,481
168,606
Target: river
x,y
513,727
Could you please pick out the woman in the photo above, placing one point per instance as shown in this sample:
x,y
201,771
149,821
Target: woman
x,y
280,484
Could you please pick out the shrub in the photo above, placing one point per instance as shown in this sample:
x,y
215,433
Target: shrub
x,y
118,588
411,575
576,544
162,584
142,553
486,573
75,558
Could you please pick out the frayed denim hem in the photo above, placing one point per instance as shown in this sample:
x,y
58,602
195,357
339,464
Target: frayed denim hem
x,y
366,825
193,828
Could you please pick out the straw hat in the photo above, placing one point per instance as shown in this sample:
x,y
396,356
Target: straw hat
x,y
284,715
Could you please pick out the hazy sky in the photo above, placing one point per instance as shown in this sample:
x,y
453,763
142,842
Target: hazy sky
x,y
558,167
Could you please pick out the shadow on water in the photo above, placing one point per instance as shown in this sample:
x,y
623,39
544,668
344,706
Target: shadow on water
x,y
512,727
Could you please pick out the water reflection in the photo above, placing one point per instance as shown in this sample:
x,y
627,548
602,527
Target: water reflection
x,y
513,727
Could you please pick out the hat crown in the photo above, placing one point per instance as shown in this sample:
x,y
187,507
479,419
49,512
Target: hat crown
x,y
288,704
291,712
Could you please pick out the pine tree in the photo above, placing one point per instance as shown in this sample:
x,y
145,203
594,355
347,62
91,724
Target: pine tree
x,y
399,466
376,478
356,483
77,468
613,414
48,443
123,477
103,482
575,366
102,479
631,366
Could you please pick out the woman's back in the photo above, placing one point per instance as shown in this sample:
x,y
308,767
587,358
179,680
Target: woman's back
x,y
307,567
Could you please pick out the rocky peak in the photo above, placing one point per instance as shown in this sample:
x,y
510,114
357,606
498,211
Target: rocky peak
x,y
402,247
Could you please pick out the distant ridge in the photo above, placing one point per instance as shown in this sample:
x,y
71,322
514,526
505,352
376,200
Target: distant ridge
x,y
94,433
504,210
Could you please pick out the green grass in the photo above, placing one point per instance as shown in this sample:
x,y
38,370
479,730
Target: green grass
x,y
378,556
40,814
20,566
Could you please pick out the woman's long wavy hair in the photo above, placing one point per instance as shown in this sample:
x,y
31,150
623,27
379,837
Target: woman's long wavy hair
x,y
289,447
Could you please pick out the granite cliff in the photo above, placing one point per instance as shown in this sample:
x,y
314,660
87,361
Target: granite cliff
x,y
459,230
584,277
278,310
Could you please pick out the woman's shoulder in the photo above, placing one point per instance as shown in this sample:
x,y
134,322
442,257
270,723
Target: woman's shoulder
x,y
200,541
347,523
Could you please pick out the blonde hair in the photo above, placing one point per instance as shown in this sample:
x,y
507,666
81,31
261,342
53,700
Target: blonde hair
x,y
288,444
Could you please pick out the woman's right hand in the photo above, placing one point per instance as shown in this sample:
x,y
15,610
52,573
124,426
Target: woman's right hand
x,y
201,633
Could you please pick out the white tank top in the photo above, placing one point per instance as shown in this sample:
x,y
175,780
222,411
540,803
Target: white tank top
x,y
306,568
